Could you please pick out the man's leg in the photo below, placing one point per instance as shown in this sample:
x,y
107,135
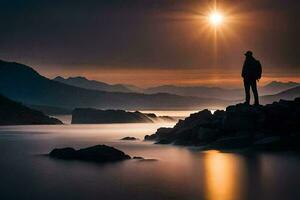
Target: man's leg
x,y
247,90
255,93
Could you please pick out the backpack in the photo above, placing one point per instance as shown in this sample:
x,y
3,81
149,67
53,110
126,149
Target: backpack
x,y
258,69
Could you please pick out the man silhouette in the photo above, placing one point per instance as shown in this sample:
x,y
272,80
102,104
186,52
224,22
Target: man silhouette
x,y
251,73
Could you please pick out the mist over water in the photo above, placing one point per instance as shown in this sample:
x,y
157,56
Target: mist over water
x,y
180,172
175,114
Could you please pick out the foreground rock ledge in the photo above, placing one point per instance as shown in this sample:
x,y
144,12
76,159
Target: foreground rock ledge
x,y
274,126
98,153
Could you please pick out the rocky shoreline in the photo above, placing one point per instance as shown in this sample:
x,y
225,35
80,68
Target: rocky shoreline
x,y
274,126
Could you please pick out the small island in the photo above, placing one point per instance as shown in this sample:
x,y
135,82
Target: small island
x,y
98,153
95,116
130,138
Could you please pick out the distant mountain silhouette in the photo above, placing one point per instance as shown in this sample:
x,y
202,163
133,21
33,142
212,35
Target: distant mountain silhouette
x,y
273,87
276,87
22,83
83,82
199,91
289,94
135,88
220,93
14,113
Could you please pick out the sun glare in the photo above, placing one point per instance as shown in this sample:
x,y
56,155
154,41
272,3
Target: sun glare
x,y
216,18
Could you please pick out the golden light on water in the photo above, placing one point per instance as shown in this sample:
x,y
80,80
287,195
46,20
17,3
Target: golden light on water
x,y
223,175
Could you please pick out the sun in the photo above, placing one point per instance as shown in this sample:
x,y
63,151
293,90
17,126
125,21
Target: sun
x,y
216,18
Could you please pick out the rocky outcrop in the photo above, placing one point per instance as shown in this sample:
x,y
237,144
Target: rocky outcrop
x,y
98,153
130,138
14,113
273,126
94,116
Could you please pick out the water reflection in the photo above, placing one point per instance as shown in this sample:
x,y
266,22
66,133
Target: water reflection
x,y
223,175
179,173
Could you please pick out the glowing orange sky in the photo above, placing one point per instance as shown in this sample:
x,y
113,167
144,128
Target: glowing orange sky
x,y
149,43
148,78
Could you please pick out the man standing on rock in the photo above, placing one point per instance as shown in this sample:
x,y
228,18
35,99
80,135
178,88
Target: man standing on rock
x,y
251,73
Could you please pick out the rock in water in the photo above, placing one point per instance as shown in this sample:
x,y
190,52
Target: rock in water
x,y
94,116
240,126
129,138
98,153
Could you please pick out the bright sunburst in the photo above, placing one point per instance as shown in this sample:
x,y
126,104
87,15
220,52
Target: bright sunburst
x,y
216,18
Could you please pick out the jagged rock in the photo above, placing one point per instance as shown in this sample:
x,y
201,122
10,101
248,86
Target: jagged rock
x,y
243,117
184,131
160,133
98,153
200,118
240,126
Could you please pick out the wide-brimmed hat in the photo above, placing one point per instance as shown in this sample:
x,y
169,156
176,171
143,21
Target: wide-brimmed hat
x,y
248,53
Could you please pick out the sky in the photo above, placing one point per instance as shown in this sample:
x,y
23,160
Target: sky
x,y
152,42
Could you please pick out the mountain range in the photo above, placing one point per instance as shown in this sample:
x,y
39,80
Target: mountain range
x,y
197,91
217,92
289,94
83,82
24,84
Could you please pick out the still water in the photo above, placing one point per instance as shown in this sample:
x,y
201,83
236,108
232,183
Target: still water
x,y
179,173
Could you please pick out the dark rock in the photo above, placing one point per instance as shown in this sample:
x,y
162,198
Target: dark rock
x,y
243,117
201,118
129,138
152,115
160,133
138,158
98,153
231,143
163,141
94,116
240,126
148,160
64,153
141,159
14,113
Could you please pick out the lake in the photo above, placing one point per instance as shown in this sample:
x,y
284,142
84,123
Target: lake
x,y
179,173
